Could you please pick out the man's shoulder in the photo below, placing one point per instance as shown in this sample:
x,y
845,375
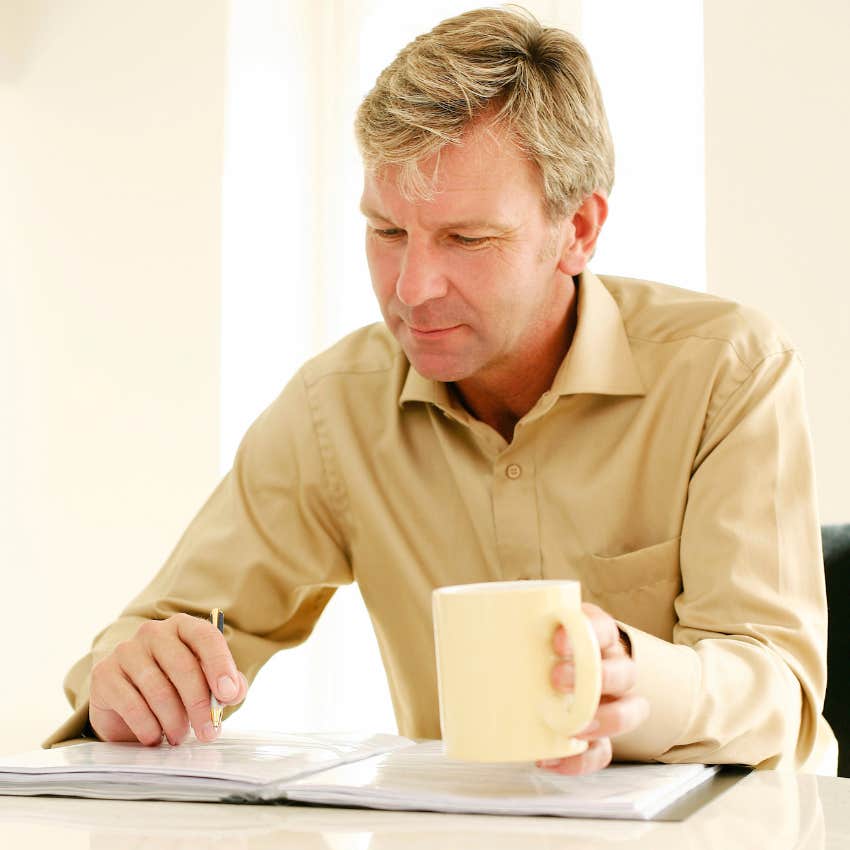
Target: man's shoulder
x,y
370,350
660,313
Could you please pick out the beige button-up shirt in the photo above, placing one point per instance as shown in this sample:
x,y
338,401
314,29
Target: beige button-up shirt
x,y
668,468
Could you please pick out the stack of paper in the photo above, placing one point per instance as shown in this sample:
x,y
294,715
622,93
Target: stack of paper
x,y
234,769
378,771
423,778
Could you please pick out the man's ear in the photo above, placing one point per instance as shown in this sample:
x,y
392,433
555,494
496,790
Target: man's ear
x,y
582,232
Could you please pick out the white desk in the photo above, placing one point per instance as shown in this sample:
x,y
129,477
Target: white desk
x,y
764,811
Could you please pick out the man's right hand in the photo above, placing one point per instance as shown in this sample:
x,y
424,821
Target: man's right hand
x,y
159,682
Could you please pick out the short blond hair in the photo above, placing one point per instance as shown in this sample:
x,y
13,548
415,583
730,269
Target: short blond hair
x,y
536,81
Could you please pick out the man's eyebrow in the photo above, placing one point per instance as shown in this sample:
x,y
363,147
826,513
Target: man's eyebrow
x,y
370,213
478,224
461,224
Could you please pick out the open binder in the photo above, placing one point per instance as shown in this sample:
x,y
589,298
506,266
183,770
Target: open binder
x,y
376,771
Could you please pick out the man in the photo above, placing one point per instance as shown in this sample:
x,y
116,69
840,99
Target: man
x,y
514,417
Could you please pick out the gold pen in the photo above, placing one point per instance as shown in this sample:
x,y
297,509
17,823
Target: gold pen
x,y
217,619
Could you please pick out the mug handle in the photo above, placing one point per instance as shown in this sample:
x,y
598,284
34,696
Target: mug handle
x,y
569,713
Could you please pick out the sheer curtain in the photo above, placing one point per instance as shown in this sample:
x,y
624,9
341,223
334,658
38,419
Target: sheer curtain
x,y
294,274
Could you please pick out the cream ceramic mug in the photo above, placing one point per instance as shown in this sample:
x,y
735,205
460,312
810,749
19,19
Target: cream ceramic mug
x,y
494,666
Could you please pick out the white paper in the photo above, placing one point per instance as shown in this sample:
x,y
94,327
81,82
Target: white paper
x,y
423,778
245,767
378,771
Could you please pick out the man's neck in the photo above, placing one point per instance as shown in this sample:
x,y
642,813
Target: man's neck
x,y
502,399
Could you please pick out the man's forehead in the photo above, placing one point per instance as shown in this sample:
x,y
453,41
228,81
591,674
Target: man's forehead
x,y
480,179
458,206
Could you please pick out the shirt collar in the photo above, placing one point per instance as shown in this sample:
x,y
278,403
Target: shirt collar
x,y
599,361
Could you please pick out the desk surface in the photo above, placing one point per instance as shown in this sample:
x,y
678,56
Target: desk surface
x,y
764,811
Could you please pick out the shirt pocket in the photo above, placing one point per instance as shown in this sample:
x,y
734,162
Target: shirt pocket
x,y
638,588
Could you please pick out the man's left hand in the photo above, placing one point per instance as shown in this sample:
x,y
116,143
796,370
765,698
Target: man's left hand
x,y
618,711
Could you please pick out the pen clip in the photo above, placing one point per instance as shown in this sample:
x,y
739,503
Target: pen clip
x,y
217,619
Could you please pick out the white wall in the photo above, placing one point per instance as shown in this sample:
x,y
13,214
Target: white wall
x,y
111,126
777,182
648,57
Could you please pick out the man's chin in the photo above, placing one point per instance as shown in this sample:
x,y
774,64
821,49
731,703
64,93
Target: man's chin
x,y
439,369
447,359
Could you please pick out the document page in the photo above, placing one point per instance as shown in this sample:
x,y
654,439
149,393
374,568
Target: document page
x,y
422,777
242,767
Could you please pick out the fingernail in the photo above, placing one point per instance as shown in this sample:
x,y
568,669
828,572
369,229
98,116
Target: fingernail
x,y
548,762
209,732
227,688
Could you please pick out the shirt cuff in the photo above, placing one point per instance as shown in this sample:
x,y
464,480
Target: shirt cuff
x,y
668,678
72,731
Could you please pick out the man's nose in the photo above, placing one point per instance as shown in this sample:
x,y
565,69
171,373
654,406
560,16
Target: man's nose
x,y
421,277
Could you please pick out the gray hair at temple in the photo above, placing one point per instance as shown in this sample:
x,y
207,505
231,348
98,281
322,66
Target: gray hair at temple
x,y
535,81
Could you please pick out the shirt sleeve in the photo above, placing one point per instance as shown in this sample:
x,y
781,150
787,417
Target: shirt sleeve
x,y
744,678
269,548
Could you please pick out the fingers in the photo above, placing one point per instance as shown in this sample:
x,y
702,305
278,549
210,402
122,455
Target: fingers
x,y
159,682
619,710
605,627
210,647
596,757
616,717
117,711
181,669
154,689
619,675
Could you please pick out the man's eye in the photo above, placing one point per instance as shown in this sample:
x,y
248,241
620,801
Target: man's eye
x,y
470,241
388,233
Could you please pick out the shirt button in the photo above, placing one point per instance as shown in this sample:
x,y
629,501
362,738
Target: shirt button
x,y
513,471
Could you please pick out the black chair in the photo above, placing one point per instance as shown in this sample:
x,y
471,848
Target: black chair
x,y
836,709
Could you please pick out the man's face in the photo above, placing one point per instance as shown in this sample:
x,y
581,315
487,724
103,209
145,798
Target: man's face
x,y
467,280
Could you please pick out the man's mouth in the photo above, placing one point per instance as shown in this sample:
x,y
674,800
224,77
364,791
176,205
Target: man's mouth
x,y
431,333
